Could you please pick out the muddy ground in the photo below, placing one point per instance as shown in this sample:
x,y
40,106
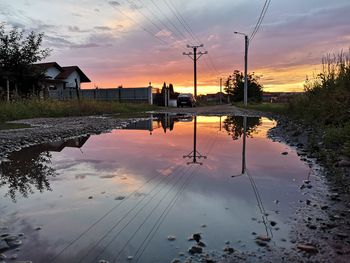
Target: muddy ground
x,y
321,226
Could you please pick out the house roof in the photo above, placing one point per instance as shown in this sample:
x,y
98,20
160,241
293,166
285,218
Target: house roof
x,y
45,66
67,71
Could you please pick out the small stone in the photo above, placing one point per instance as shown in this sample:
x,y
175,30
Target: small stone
x,y
130,258
201,244
273,223
308,202
261,243
307,248
14,243
204,226
90,197
38,228
229,249
276,202
181,254
195,250
284,153
324,207
3,245
119,198
171,238
197,237
10,238
263,238
14,256
227,242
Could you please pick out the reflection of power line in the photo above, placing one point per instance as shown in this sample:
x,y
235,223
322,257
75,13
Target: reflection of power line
x,y
260,203
195,154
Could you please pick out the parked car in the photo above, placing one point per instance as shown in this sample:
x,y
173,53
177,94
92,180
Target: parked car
x,y
186,99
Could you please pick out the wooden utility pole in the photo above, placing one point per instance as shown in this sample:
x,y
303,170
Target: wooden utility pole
x,y
195,56
7,90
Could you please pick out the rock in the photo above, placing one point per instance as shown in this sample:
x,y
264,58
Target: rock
x,y
3,245
10,238
130,258
175,260
342,235
204,226
195,250
14,256
181,254
229,249
201,244
14,243
307,248
119,198
227,242
103,261
171,238
273,223
4,235
308,202
263,238
2,256
38,228
90,197
343,163
284,153
276,202
196,237
260,243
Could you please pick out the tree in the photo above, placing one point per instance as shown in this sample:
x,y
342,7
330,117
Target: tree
x,y
18,53
234,86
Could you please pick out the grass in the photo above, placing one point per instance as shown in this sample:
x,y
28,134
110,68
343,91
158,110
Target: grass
x,y
279,108
38,108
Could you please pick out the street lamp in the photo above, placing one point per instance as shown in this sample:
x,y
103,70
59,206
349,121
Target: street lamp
x,y
245,67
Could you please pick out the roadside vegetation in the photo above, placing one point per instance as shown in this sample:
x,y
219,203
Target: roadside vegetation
x,y
26,109
325,105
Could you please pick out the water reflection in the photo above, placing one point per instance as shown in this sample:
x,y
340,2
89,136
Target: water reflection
x,y
234,125
195,154
30,169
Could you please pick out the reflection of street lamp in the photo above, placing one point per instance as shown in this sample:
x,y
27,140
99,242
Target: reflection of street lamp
x,y
244,167
246,40
195,154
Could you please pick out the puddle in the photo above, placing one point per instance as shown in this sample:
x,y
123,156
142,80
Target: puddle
x,y
125,193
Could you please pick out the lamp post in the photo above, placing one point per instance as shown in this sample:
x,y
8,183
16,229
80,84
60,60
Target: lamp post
x,y
246,40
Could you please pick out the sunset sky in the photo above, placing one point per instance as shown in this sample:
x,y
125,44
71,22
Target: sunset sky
x,y
117,42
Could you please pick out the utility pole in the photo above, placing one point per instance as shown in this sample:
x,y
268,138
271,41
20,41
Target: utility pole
x,y
246,41
195,56
220,91
246,71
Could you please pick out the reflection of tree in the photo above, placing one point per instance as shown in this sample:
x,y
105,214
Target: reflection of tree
x,y
235,128
23,174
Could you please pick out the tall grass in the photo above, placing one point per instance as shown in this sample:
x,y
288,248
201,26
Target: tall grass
x,y
326,102
40,108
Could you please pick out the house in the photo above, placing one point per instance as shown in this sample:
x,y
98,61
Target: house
x,y
59,78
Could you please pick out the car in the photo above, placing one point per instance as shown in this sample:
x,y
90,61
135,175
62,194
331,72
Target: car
x,y
186,99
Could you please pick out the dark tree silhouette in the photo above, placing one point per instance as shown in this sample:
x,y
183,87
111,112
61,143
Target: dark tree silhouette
x,y
234,86
25,173
234,126
18,52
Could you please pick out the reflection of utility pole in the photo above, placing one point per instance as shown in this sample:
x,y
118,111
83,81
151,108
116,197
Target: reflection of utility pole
x,y
244,167
194,57
220,91
195,154
246,41
244,143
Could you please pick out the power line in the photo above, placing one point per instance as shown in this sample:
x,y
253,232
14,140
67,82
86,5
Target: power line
x,y
117,7
261,18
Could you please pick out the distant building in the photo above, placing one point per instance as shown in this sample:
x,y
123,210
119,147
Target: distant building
x,y
60,78
278,97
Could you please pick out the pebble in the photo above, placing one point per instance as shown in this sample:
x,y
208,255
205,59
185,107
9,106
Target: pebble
x,y
284,153
119,198
261,243
201,244
229,249
175,260
307,248
197,237
263,238
195,250
171,238
273,223
103,261
38,228
130,258
90,197
204,226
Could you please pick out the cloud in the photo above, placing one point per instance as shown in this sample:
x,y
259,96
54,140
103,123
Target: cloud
x,y
76,29
86,45
114,3
103,28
